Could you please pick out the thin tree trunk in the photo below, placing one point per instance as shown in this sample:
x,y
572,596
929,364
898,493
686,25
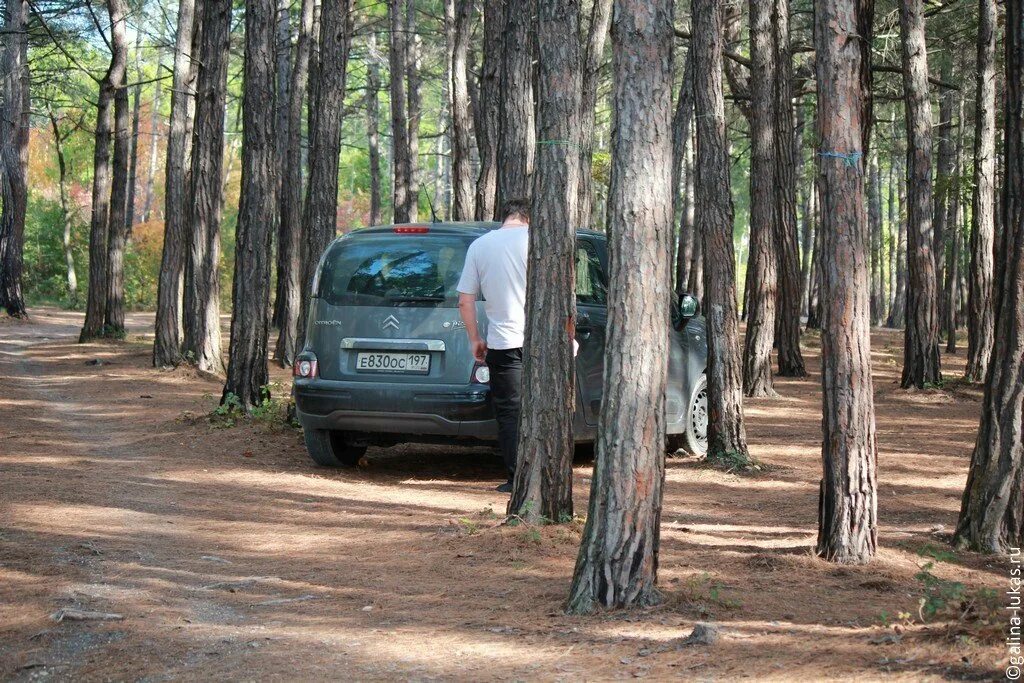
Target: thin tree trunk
x,y
154,137
319,222
373,127
489,103
943,188
992,511
597,37
247,375
399,116
96,299
893,224
787,337
14,148
847,508
69,258
981,313
874,189
167,342
688,240
921,338
714,221
955,224
462,120
543,480
763,262
681,133
133,155
412,72
117,235
516,141
202,285
814,289
289,250
898,313
617,564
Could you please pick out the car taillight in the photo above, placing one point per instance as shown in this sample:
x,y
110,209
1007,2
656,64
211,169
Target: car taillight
x,y
412,229
481,374
304,368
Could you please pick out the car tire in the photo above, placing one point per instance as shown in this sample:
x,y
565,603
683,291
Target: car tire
x,y
331,449
694,440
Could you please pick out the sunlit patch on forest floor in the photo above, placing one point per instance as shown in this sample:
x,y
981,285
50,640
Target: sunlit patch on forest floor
x,y
224,553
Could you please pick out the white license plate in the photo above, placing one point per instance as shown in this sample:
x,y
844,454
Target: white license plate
x,y
378,361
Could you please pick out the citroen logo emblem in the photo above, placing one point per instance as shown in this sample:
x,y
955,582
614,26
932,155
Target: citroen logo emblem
x,y
389,322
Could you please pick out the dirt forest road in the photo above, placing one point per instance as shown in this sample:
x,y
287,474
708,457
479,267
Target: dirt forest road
x,y
227,554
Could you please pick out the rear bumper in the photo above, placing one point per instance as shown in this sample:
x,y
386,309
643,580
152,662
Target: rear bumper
x,y
402,410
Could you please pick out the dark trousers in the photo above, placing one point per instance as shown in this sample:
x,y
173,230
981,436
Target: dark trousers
x,y
506,367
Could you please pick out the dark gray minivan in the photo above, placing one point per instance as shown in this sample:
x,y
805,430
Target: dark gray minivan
x,y
387,359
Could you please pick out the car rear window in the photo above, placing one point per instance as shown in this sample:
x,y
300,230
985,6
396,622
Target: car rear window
x,y
394,270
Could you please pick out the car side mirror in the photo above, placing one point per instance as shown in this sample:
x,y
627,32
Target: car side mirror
x,y
683,310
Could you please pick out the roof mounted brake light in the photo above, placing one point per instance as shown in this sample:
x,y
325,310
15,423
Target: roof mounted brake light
x,y
412,229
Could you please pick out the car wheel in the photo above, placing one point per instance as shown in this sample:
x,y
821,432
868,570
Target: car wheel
x,y
695,438
331,449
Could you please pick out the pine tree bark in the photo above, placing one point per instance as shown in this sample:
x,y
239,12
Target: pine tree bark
x,y
992,511
319,222
617,564
248,374
119,226
921,338
714,221
154,127
943,188
14,148
398,60
373,127
898,312
892,225
682,121
490,99
202,285
283,84
954,222
543,482
763,261
981,311
177,179
874,188
787,337
847,509
593,57
133,167
96,298
71,279
289,249
412,75
462,119
517,139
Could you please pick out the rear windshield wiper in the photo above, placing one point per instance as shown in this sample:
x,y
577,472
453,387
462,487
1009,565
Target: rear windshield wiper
x,y
416,299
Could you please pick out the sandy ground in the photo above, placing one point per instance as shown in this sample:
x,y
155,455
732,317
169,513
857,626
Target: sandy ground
x,y
229,555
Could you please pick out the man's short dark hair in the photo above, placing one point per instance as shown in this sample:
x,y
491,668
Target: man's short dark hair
x,y
516,207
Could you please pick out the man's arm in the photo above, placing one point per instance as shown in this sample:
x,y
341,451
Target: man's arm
x,y
467,311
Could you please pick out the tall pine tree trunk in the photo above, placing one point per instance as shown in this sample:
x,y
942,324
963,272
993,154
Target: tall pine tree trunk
x,y
992,511
763,262
462,134
790,359
516,140
177,179
250,322
65,218
289,244
543,480
412,75
398,56
847,509
921,338
14,157
714,225
489,103
593,56
319,222
202,284
617,564
119,225
874,188
133,167
943,188
373,127
955,224
681,133
981,312
154,136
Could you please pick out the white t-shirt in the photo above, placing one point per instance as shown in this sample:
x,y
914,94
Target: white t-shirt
x,y
496,267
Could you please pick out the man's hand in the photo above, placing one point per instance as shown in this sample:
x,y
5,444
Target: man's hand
x,y
479,349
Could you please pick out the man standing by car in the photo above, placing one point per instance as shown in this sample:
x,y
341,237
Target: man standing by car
x,y
496,268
